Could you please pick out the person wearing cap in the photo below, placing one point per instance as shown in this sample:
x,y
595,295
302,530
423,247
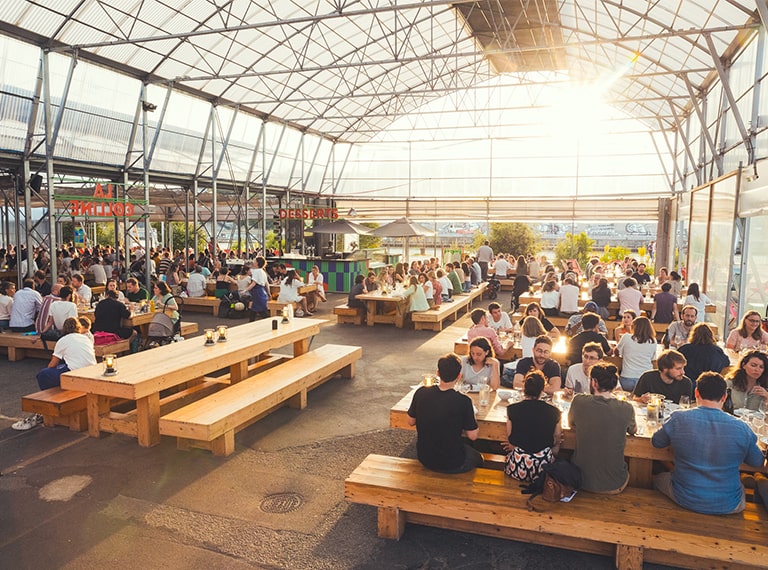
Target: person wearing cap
x,y
574,322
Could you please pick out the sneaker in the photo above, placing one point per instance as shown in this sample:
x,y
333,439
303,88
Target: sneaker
x,y
28,423
300,313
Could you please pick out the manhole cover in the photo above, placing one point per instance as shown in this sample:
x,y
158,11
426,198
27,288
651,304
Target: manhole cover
x,y
281,503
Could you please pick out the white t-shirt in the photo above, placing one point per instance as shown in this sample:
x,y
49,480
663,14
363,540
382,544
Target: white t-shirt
x,y
446,284
701,305
636,358
526,343
76,350
503,323
6,302
61,311
550,299
196,285
501,267
99,275
429,291
576,380
629,298
260,276
569,299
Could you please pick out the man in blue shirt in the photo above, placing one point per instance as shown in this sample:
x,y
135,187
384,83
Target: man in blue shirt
x,y
709,446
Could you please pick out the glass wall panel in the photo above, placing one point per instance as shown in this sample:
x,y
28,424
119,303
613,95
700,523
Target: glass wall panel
x,y
719,250
757,266
697,235
19,63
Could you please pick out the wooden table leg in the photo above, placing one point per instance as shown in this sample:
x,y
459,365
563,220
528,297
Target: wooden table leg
x,y
238,372
400,316
640,472
96,405
148,420
301,347
371,307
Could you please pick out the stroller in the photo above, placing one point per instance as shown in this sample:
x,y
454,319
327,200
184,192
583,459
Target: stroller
x,y
494,286
231,306
162,330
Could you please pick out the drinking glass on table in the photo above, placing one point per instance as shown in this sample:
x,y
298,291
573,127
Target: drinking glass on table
x,y
484,397
685,402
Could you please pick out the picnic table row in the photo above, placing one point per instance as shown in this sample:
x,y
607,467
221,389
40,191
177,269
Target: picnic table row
x,y
200,394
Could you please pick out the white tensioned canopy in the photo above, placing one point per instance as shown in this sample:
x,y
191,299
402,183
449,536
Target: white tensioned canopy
x,y
347,71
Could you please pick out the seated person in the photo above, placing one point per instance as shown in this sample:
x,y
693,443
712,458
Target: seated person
x,y
442,416
7,291
82,291
534,310
542,350
577,377
414,292
480,364
709,447
112,286
678,332
532,329
533,431
702,354
601,423
573,326
357,289
134,292
749,382
196,283
749,334
314,277
164,301
480,328
371,283
110,314
72,351
26,303
589,334
499,321
669,380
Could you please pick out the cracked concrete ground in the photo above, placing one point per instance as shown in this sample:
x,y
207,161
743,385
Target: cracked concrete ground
x,y
74,502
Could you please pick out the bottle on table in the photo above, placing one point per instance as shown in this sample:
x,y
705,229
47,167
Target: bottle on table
x,y
728,404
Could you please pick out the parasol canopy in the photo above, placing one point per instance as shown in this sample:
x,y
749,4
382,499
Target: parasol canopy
x,y
402,227
341,226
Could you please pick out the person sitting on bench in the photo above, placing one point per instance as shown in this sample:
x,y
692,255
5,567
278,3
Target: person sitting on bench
x,y
442,416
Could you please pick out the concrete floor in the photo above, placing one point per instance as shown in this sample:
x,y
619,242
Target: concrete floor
x,y
70,501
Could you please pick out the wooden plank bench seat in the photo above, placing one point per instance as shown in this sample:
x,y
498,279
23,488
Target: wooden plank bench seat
x,y
635,526
433,318
211,423
58,407
276,307
188,327
352,315
19,346
206,304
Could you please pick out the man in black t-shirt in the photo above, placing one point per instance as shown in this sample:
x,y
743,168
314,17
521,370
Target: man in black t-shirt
x,y
542,350
590,333
357,289
442,416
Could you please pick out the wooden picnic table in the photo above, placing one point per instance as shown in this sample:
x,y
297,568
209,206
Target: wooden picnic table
x,y
492,423
646,304
389,309
274,289
142,376
140,320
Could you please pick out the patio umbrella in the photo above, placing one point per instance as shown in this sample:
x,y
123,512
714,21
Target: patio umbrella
x,y
404,228
341,226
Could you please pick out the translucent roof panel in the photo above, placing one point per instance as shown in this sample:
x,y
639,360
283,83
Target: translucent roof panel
x,y
345,70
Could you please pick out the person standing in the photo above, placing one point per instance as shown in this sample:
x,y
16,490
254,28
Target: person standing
x,y
709,447
601,423
442,416
484,257
259,289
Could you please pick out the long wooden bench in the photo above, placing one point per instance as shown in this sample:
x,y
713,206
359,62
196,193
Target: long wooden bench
x,y
637,525
19,346
352,315
188,327
211,423
206,304
433,318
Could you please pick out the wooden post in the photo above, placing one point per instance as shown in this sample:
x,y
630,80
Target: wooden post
x,y
391,523
148,420
96,405
629,557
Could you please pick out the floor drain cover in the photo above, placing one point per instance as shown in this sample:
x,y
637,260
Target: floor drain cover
x,y
281,503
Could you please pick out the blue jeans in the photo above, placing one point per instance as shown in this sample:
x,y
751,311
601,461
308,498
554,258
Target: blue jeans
x,y
50,377
627,384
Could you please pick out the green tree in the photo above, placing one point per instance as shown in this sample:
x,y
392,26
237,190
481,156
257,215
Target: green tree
x,y
370,242
613,253
578,247
514,238
478,239
178,233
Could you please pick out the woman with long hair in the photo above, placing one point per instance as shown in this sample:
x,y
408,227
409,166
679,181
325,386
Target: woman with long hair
x,y
534,310
289,292
521,284
550,299
601,295
417,299
428,288
698,300
112,286
164,298
532,328
480,363
750,333
533,431
702,354
626,326
258,289
749,382
637,351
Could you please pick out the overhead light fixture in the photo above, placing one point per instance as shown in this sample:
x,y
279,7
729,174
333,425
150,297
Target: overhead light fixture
x,y
352,213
